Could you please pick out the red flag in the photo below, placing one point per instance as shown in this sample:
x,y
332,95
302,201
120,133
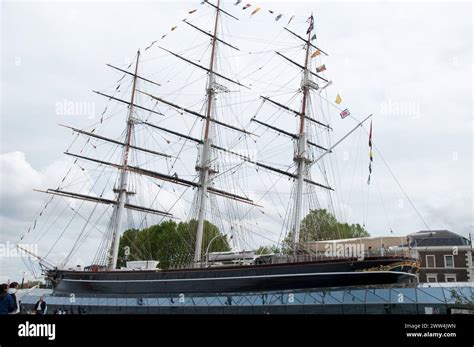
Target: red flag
x,y
371,158
345,113
321,68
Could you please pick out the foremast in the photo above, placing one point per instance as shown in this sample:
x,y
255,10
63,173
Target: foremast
x,y
121,191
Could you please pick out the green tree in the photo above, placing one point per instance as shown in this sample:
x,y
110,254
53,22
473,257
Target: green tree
x,y
170,243
462,299
321,225
262,250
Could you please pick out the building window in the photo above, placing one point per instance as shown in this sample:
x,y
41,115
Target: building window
x,y
430,261
448,261
450,278
431,278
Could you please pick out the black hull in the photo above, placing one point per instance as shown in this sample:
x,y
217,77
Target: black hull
x,y
289,276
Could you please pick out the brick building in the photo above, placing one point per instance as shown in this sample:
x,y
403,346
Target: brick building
x,y
445,256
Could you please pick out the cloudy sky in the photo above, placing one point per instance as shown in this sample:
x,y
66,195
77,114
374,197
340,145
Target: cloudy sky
x,y
410,65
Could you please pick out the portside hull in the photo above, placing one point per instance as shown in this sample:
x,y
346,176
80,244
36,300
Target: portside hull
x,y
227,280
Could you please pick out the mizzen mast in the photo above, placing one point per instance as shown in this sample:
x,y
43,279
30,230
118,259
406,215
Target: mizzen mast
x,y
300,158
303,156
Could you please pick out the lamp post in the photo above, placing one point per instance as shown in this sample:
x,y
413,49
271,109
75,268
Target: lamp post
x,y
209,245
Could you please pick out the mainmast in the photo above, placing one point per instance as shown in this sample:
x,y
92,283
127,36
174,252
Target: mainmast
x,y
123,178
204,169
300,158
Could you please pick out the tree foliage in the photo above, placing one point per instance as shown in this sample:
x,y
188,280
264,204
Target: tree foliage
x,y
263,250
170,243
321,225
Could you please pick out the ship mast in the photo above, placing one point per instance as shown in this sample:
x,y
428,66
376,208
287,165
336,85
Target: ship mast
x,y
206,142
123,178
300,158
204,169
109,255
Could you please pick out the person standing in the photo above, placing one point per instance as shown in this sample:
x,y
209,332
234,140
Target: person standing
x,y
12,291
40,306
7,304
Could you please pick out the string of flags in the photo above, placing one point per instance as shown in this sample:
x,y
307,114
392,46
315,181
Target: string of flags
x,y
173,28
345,112
371,158
256,9
277,16
35,222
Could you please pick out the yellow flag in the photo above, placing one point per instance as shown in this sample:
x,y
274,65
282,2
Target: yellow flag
x,y
338,99
316,53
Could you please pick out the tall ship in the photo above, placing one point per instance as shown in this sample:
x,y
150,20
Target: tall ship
x,y
208,148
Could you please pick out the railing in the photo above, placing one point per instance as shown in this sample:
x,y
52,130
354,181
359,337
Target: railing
x,y
278,259
307,257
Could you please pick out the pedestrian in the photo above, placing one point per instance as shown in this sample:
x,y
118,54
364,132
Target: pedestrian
x,y
7,304
40,306
12,291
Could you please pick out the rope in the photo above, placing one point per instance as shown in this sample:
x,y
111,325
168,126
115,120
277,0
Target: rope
x,y
400,186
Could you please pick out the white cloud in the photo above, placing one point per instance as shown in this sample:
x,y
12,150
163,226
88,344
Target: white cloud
x,y
17,181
